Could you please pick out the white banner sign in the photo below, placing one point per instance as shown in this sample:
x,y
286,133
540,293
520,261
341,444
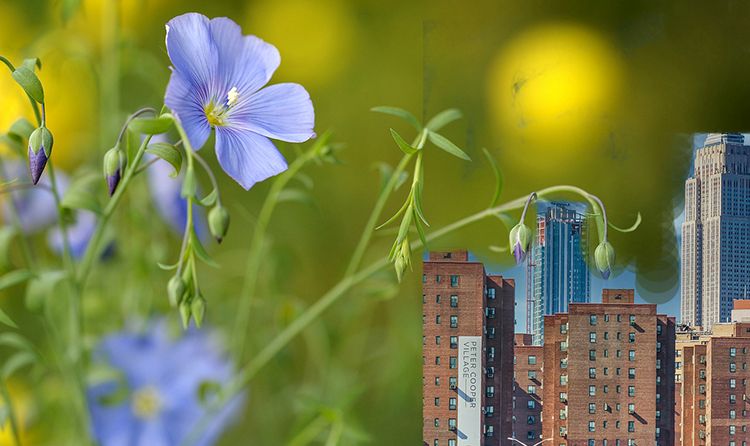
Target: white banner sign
x,y
469,390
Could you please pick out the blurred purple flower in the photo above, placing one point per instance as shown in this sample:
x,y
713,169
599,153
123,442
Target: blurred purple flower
x,y
216,82
35,205
163,375
79,234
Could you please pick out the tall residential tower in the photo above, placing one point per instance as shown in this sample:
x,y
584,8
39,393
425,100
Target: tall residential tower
x,y
557,273
716,232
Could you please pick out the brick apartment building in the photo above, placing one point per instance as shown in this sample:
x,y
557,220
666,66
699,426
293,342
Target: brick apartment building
x,y
527,389
609,374
714,407
468,319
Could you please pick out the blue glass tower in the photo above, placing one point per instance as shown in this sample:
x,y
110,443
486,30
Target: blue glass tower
x,y
557,273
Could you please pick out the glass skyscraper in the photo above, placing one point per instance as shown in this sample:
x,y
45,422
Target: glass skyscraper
x,y
557,273
715,249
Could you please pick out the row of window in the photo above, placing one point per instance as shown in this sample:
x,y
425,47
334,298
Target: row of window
x,y
604,425
618,354
592,336
453,300
439,278
631,320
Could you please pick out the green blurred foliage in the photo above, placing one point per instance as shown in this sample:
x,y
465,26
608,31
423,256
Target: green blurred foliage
x,y
681,68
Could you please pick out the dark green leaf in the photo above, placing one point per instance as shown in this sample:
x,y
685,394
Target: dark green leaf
x,y
403,145
5,319
166,266
151,126
420,230
16,341
28,80
32,63
168,153
21,130
16,362
209,199
498,177
443,143
200,251
443,118
14,278
401,113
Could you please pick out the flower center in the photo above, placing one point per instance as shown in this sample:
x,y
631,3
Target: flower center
x,y
146,402
216,113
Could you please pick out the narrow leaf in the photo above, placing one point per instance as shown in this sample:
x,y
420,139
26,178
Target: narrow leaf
x,y
41,287
498,177
443,143
16,362
5,319
443,118
16,341
28,80
168,153
403,145
21,129
14,278
151,126
200,251
166,266
209,199
81,195
400,112
420,230
7,233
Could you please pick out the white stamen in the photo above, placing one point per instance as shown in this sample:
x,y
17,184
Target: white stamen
x,y
232,96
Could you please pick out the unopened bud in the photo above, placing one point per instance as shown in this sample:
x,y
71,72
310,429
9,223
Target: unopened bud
x,y
175,290
40,149
520,241
185,313
198,308
114,161
402,258
218,222
604,257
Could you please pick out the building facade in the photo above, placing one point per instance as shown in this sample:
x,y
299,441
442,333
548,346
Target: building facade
x,y
467,381
609,374
715,251
714,376
527,389
557,273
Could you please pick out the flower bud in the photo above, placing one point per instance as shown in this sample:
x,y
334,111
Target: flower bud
x,y
175,290
198,308
114,161
520,241
40,149
402,258
218,222
604,257
185,313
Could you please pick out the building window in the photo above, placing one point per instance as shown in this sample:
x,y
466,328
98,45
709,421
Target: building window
x,y
532,360
592,337
452,382
490,391
451,403
592,390
424,278
732,414
491,293
454,341
530,389
454,281
437,360
563,397
732,399
631,426
592,319
592,408
564,363
491,333
437,319
437,422
631,373
437,340
631,337
564,346
531,419
452,424
437,380
453,362
592,426
563,380
490,312
632,319
631,408
532,374
631,355
454,321
437,299
531,404
592,372
437,402
563,328
619,318
732,352
732,367
592,355
606,335
437,278
732,383
631,390
489,411
454,301
491,354
658,329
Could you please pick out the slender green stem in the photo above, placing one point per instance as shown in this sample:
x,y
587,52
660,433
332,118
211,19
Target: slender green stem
x,y
210,174
12,419
337,430
255,256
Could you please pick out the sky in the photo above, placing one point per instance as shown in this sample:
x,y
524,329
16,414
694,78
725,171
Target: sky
x,y
626,279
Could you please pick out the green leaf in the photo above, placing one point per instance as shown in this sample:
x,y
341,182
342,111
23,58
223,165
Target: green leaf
x,y
151,126
14,278
16,341
132,144
443,118
166,266
420,230
21,130
498,177
16,362
32,63
5,319
28,80
80,194
403,145
41,287
209,199
7,233
385,176
168,153
400,112
200,251
443,143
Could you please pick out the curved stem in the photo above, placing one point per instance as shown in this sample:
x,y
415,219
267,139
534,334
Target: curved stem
x,y
137,113
210,174
531,198
604,215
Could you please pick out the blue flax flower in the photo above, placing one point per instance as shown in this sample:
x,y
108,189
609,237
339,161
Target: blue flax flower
x,y
163,374
217,79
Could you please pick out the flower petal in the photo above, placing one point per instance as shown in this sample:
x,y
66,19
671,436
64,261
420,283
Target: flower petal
x,y
281,111
245,62
246,156
187,104
191,49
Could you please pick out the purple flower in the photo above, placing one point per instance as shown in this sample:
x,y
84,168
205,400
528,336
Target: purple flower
x,y
79,234
217,81
161,374
35,205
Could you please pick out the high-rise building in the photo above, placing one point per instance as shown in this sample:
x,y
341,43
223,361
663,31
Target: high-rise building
x,y
467,372
557,273
609,374
714,375
715,250
527,390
